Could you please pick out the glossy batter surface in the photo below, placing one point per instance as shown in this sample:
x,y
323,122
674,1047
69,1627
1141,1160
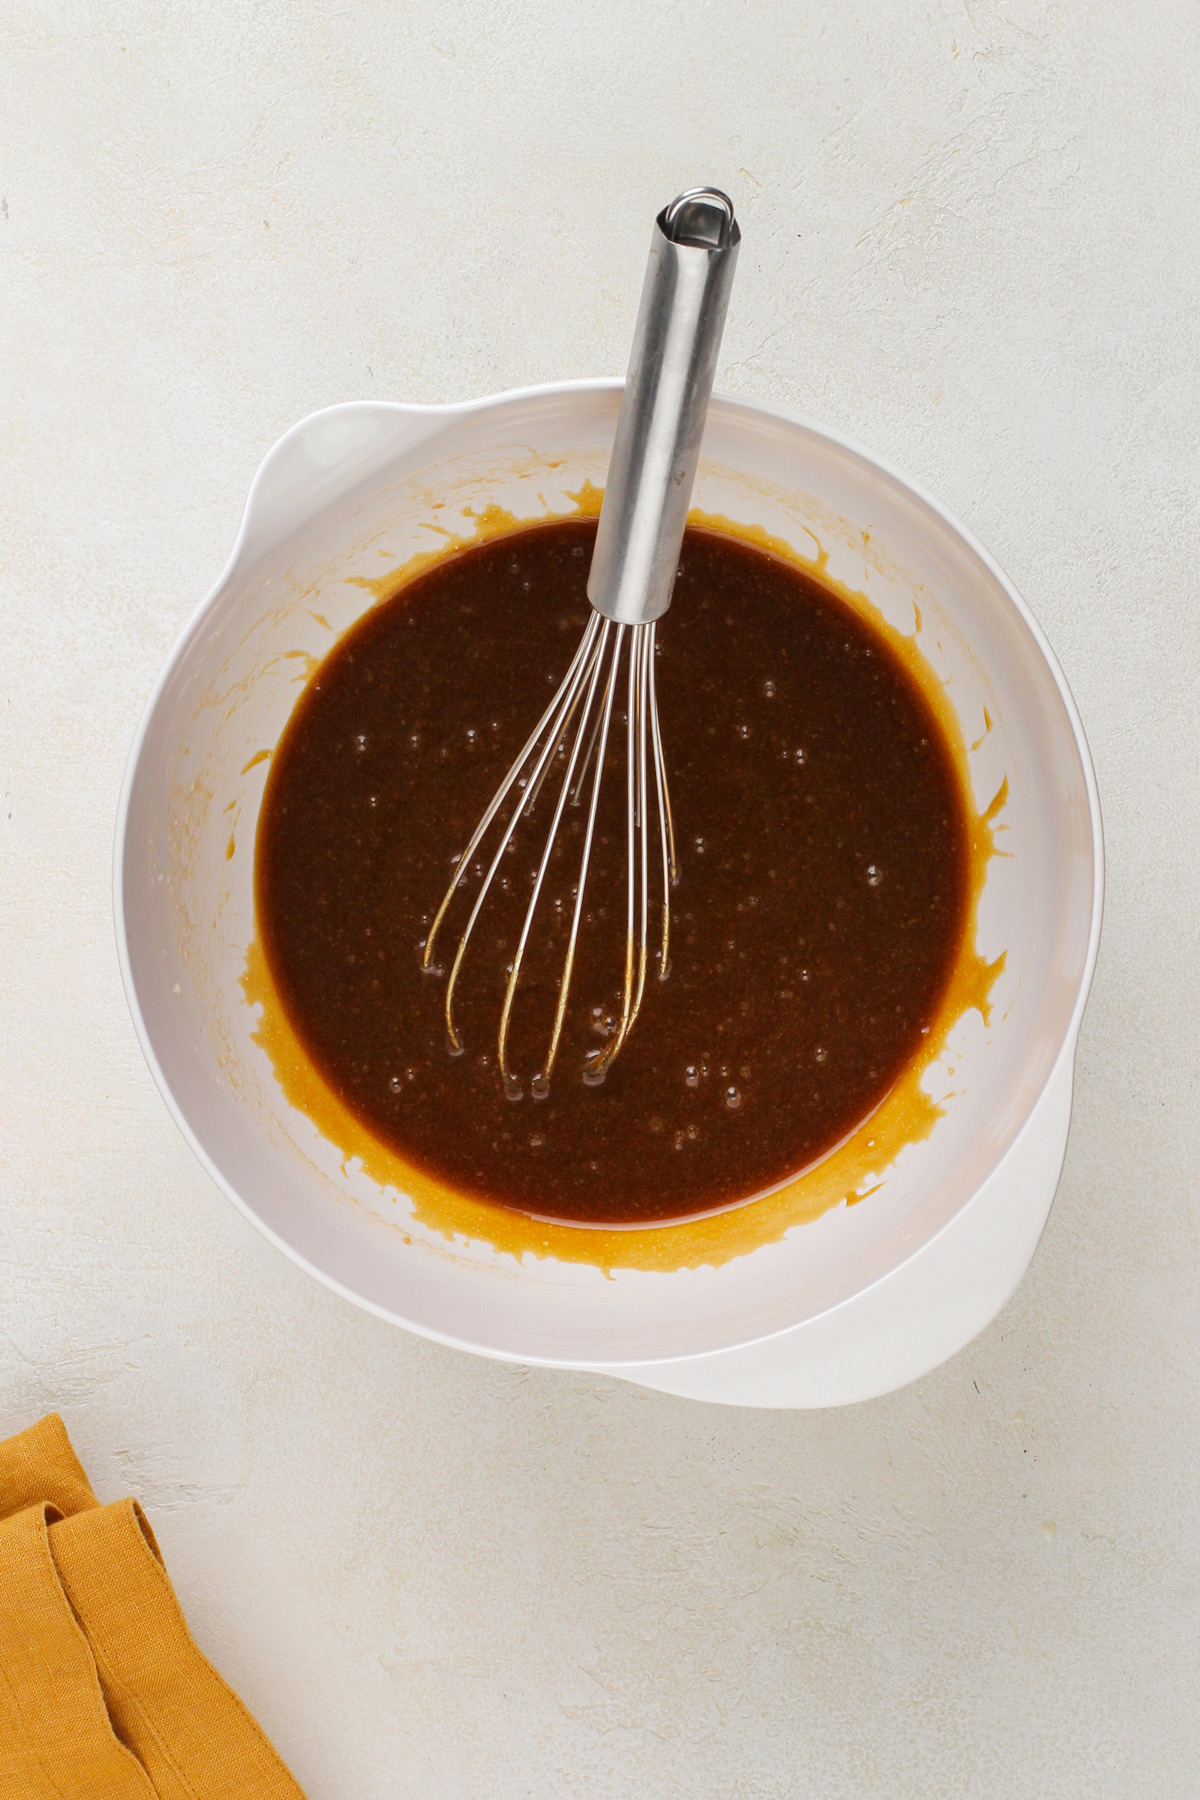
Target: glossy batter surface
x,y
823,873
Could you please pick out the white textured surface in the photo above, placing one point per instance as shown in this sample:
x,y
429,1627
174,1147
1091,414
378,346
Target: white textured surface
x,y
972,240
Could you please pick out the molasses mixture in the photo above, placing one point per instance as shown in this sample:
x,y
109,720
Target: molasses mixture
x,y
823,851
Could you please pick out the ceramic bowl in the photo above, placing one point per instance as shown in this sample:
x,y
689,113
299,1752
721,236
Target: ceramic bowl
x,y
855,1302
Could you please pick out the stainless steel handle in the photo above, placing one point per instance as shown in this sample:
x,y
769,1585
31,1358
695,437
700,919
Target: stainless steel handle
x,y
680,320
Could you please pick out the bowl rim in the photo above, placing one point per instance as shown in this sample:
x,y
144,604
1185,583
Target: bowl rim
x,y
448,411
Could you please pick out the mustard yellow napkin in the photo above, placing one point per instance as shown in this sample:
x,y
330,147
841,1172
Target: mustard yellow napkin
x,y
103,1694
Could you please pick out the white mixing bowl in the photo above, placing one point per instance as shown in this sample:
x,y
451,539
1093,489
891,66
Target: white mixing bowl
x,y
854,1303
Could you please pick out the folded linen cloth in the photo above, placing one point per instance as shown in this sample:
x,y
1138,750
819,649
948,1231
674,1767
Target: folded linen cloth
x,y
103,1694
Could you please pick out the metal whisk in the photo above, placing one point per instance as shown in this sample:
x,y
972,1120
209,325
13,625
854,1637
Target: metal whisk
x,y
680,320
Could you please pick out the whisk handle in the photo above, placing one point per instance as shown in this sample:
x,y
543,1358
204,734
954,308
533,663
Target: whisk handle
x,y
685,297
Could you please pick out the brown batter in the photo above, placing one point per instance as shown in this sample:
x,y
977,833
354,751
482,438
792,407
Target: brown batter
x,y
823,858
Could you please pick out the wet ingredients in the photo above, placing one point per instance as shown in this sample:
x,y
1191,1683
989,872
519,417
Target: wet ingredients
x,y
824,848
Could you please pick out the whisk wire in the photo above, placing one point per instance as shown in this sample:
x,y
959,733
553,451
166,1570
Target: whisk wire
x,y
660,766
581,713
542,1082
560,709
637,824
502,792
594,667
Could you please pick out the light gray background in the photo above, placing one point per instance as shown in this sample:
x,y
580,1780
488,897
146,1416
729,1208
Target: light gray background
x,y
971,239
